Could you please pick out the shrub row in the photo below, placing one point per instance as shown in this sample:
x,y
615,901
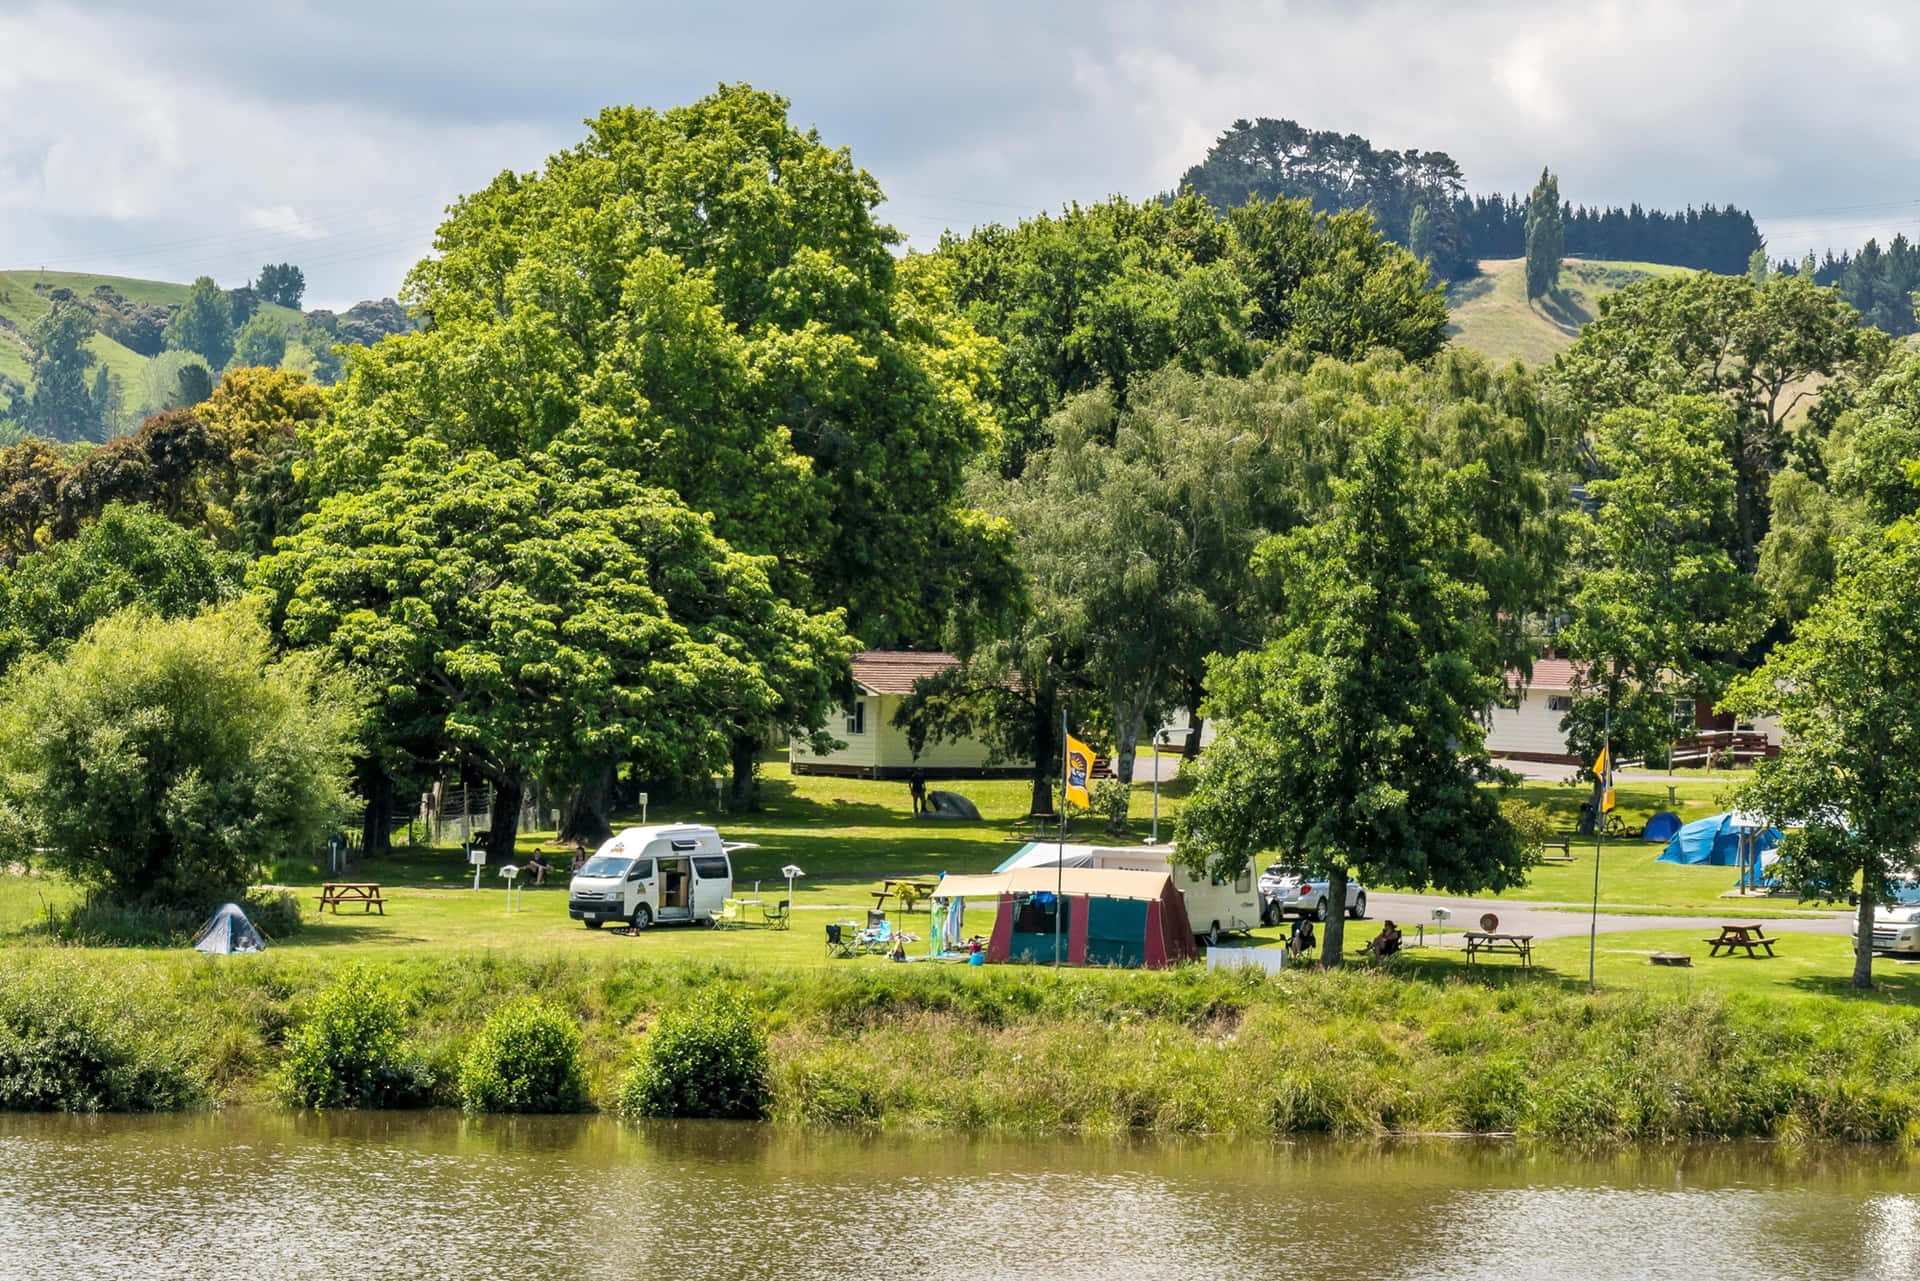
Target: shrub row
x,y
1188,1051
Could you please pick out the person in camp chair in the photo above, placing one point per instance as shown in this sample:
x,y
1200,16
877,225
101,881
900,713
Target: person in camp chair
x,y
1301,941
1386,943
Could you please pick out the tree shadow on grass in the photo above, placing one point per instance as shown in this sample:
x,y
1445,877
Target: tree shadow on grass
x,y
1568,311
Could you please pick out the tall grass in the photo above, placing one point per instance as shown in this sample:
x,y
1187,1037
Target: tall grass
x,y
1190,1051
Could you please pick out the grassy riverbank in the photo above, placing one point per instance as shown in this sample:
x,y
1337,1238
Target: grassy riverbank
x,y
1011,1049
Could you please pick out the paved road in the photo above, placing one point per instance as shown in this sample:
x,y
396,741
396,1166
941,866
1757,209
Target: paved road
x,y
1536,919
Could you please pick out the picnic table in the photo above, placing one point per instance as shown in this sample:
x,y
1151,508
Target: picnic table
x,y
365,893
922,889
1747,936
1520,945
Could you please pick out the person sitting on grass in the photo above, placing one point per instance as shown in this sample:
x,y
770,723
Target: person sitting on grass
x,y
1386,943
1301,941
537,867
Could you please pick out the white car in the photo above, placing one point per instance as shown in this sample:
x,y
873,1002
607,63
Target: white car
x,y
1291,890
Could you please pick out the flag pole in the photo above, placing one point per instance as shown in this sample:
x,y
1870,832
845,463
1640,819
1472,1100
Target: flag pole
x,y
1060,859
1599,835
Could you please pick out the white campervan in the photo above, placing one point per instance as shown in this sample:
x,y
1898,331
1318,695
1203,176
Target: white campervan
x,y
648,874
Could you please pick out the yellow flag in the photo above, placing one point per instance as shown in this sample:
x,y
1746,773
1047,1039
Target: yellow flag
x,y
1600,766
1606,801
1079,771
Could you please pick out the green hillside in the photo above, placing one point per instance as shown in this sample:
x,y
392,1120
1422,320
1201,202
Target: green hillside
x,y
22,303
1491,313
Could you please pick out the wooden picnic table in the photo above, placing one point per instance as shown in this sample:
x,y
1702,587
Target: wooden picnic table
x,y
1748,936
886,891
365,893
1520,945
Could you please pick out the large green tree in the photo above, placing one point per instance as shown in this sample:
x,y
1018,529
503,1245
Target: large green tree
x,y
1657,607
170,761
1352,738
1846,688
204,324
704,300
1546,237
62,407
1786,351
539,620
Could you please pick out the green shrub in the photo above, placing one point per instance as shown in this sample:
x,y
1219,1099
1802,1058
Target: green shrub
x,y
350,1052
707,1058
66,1045
275,913
526,1059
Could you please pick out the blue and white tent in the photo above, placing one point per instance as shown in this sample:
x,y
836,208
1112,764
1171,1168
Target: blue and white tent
x,y
1716,841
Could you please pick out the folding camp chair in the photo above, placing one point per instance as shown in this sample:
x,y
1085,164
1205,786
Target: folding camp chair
x,y
838,944
878,936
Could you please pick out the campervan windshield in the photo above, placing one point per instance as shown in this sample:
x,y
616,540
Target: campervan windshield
x,y
606,865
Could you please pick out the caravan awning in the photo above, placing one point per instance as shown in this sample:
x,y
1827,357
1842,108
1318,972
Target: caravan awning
x,y
1099,882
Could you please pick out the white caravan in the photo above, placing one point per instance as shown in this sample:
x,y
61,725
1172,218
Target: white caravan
x,y
648,874
1214,908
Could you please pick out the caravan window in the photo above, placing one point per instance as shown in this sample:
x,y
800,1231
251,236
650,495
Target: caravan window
x,y
1243,882
711,869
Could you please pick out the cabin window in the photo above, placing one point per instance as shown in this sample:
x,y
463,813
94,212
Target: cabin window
x,y
857,718
1684,716
711,869
1559,702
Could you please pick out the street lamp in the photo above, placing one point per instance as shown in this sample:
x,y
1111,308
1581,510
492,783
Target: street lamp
x,y
1159,738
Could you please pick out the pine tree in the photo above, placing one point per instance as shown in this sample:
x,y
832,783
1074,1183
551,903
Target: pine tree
x,y
1546,237
1757,266
1420,235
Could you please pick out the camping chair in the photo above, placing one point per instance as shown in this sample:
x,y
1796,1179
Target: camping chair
x,y
775,915
729,914
838,944
878,936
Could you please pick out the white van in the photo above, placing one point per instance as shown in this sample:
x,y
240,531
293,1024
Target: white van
x,y
648,874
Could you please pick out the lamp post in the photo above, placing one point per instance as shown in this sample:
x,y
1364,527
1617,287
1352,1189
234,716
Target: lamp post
x,y
1159,738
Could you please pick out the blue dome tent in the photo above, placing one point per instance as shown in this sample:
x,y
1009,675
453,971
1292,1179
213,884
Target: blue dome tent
x,y
1717,842
1661,827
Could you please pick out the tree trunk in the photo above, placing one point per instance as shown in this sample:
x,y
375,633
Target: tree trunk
x,y
1333,938
1190,750
589,804
503,820
1046,730
1870,878
744,795
375,837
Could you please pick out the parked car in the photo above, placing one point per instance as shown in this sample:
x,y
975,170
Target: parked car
x,y
1289,890
1896,929
644,875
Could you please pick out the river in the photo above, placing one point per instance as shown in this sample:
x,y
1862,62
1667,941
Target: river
x,y
435,1195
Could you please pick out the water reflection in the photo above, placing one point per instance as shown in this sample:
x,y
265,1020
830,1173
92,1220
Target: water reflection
x,y
438,1195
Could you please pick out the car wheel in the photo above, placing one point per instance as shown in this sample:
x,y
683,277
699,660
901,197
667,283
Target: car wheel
x,y
642,917
1320,909
1359,912
594,922
1213,935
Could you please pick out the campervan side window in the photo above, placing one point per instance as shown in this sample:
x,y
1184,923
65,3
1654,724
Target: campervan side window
x,y
710,869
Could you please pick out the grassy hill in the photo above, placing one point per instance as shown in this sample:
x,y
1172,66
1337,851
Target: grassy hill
x,y
22,303
1492,315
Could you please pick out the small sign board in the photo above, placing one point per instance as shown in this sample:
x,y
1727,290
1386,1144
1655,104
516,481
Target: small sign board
x,y
477,857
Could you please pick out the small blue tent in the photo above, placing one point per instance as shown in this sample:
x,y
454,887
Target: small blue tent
x,y
1715,842
1661,827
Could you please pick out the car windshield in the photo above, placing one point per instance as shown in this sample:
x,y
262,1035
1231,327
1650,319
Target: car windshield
x,y
606,865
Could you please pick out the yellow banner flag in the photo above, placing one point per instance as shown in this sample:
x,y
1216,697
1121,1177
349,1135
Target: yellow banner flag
x,y
1600,766
1079,771
1606,801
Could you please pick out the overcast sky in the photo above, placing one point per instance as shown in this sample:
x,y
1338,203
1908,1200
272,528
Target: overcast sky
x,y
190,138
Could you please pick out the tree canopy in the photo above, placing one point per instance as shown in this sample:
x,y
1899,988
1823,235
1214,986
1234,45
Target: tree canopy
x,y
204,324
169,761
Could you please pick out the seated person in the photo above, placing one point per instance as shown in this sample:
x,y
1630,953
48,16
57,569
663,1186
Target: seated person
x,y
1386,943
1301,941
579,857
537,868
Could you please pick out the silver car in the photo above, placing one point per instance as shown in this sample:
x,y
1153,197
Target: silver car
x,y
1290,890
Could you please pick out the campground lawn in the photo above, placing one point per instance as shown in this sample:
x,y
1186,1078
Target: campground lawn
x,y
849,834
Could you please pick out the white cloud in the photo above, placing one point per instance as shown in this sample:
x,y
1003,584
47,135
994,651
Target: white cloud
x,y
203,138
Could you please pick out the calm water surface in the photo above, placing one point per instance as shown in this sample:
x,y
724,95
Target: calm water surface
x,y
275,1195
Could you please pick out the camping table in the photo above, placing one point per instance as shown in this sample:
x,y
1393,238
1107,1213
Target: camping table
x,y
1747,936
365,893
1521,945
